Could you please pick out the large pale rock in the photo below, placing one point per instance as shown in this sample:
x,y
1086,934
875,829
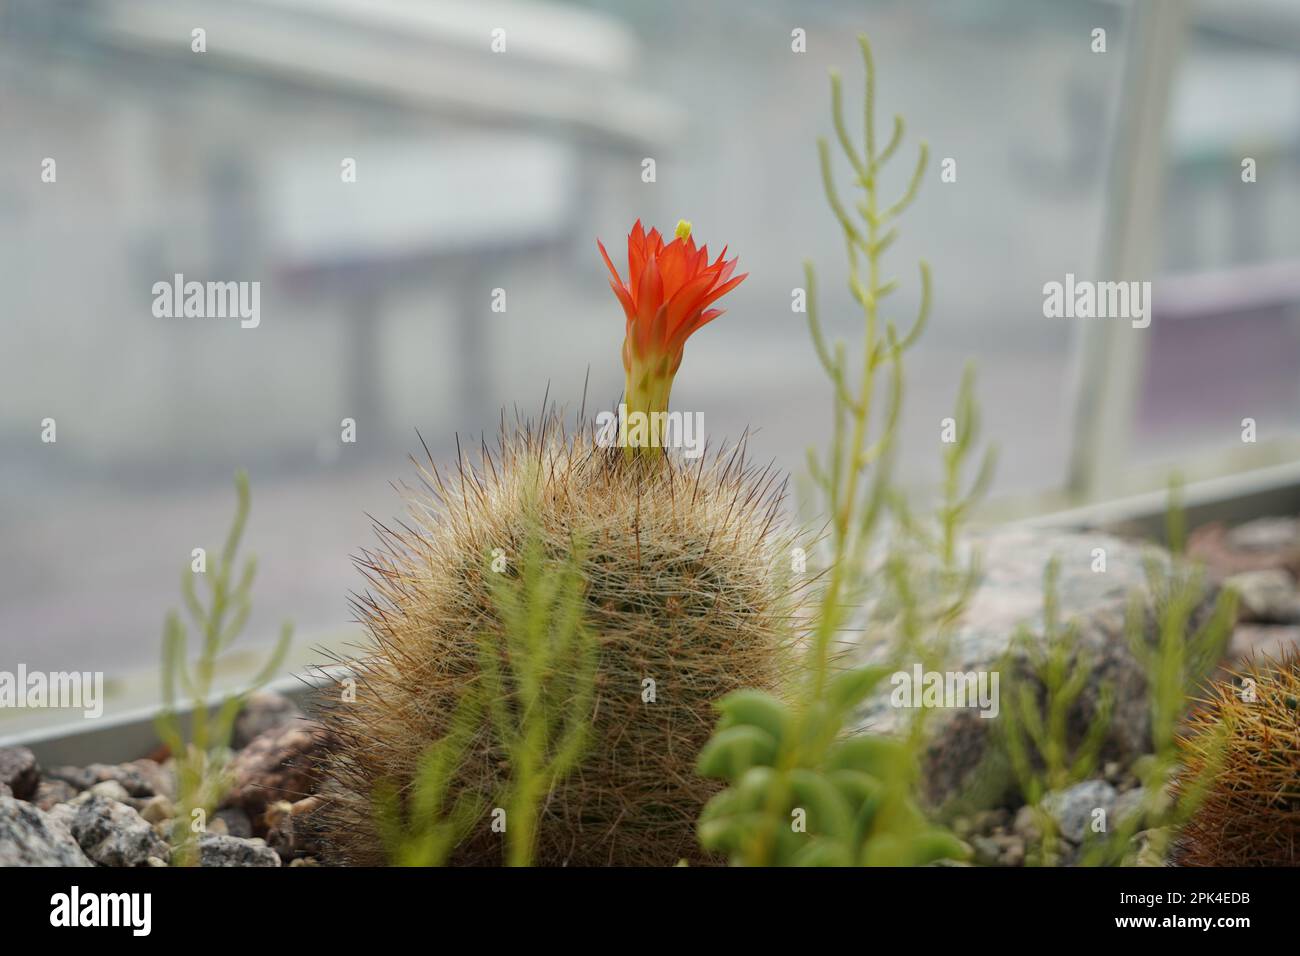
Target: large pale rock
x,y
1266,597
225,851
1073,808
1253,640
31,837
114,834
1009,594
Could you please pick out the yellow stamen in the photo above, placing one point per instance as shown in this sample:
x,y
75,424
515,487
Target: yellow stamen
x,y
683,229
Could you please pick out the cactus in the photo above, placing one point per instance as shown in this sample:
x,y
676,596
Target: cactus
x,y
546,660
1242,753
682,596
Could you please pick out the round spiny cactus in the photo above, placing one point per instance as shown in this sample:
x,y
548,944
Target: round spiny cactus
x,y
683,587
1244,749
580,706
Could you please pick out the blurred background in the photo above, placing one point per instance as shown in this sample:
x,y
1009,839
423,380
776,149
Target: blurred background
x,y
478,171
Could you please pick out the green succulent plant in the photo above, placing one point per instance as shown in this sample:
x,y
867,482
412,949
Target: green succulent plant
x,y
1034,725
201,749
845,801
802,786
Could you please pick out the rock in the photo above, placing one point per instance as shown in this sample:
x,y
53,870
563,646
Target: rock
x,y
1010,849
1262,544
1129,804
30,837
236,822
1073,808
1265,535
1255,640
51,792
111,790
278,765
1144,848
278,819
215,850
285,829
158,809
81,778
5,791
1009,594
146,778
1014,855
306,829
307,806
1026,824
19,771
265,710
114,834
156,861
987,851
986,821
140,778
1267,596
64,813
305,861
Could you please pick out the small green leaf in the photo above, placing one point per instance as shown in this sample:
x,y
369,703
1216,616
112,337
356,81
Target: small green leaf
x,y
882,757
885,850
733,751
828,811
822,852
755,708
850,688
935,845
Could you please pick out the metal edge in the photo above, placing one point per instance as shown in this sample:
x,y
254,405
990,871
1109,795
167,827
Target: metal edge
x,y
1265,491
130,734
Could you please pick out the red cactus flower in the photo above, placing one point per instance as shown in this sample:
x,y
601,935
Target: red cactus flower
x,y
666,299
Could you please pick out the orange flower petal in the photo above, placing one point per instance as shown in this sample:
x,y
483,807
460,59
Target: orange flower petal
x,y
667,295
605,255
